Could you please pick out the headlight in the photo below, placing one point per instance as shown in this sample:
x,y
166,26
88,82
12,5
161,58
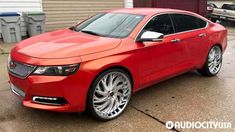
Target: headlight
x,y
57,70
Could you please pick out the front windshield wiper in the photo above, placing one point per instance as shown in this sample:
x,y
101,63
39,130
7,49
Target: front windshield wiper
x,y
91,32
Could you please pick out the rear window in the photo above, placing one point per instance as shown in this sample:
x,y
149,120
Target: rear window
x,y
229,6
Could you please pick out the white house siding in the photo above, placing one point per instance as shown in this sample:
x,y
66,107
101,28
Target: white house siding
x,y
65,13
128,3
20,6
62,13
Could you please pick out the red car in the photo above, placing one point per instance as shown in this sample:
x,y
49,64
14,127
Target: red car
x,y
98,64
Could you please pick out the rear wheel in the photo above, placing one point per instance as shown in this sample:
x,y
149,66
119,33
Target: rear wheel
x,y
110,94
213,63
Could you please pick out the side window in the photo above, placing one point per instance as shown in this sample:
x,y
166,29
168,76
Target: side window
x,y
184,22
161,24
201,23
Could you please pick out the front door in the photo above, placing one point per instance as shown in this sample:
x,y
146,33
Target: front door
x,y
162,59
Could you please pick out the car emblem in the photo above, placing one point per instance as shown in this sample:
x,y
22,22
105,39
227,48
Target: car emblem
x,y
12,65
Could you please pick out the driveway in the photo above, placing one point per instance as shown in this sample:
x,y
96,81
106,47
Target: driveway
x,y
189,97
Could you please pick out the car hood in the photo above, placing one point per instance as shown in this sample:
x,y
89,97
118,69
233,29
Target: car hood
x,y
64,44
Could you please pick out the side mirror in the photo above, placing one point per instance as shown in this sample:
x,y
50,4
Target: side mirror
x,y
150,36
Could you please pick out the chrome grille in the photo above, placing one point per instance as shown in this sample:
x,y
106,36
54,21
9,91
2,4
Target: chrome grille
x,y
20,70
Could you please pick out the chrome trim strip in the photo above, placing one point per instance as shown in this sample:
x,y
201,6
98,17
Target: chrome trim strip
x,y
172,21
45,103
17,91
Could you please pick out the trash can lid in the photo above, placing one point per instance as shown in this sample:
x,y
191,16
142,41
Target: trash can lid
x,y
34,13
6,14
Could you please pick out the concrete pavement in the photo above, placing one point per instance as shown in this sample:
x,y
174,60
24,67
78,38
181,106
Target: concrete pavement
x,y
189,97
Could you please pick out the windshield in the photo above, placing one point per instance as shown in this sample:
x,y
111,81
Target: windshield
x,y
116,25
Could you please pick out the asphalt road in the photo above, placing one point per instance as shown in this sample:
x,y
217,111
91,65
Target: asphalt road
x,y
189,97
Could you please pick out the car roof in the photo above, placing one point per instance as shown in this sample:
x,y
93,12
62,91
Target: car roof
x,y
147,11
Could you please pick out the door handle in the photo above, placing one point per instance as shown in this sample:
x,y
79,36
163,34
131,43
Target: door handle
x,y
202,35
175,40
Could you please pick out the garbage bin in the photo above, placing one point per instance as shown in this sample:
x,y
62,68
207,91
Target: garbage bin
x,y
35,22
10,27
0,28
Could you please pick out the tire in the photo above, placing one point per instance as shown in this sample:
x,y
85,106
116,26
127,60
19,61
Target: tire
x,y
213,62
108,99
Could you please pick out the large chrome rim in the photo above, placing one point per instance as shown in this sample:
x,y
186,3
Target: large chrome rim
x,y
215,60
111,95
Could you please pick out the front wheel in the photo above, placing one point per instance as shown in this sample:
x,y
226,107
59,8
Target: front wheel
x,y
109,95
213,63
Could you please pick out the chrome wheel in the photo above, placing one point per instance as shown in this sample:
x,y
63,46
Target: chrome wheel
x,y
215,60
111,95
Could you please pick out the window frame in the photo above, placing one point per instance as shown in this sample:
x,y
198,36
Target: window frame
x,y
175,33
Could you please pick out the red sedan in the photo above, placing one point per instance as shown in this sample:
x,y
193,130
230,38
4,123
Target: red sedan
x,y
98,64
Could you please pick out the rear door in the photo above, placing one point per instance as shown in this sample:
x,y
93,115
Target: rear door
x,y
193,34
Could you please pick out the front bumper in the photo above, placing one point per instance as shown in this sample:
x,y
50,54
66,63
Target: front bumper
x,y
53,87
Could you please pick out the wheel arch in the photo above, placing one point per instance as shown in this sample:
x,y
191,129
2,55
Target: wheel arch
x,y
218,44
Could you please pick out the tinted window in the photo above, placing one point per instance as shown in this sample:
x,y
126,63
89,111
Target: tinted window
x,y
161,24
228,6
116,25
184,22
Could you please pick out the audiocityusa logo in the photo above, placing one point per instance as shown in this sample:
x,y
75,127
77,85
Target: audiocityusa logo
x,y
198,125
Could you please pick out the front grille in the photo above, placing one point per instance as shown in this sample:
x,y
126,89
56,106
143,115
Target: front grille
x,y
19,69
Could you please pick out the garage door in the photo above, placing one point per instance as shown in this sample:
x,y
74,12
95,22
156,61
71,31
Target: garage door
x,y
64,13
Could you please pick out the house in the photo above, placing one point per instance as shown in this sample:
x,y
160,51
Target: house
x,y
197,6
62,13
